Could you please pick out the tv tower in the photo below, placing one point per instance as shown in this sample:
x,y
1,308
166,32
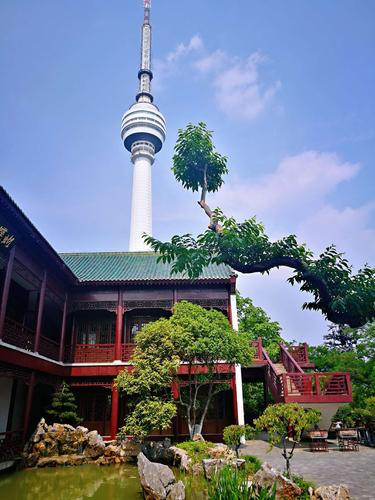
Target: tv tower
x,y
143,131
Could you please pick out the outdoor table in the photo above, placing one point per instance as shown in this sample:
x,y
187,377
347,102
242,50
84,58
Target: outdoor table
x,y
348,439
318,440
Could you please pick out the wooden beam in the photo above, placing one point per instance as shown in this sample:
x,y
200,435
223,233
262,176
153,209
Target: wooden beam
x,y
5,291
42,295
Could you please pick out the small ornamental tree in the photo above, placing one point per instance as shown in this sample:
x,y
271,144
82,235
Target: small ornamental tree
x,y
203,340
341,296
233,435
63,408
285,423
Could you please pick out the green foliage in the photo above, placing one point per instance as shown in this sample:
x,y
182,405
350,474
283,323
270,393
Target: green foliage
x,y
254,322
196,164
285,423
253,400
63,408
192,335
359,362
304,485
234,433
252,464
197,450
279,418
230,484
148,414
357,416
343,297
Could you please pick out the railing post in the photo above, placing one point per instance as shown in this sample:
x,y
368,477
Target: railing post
x,y
317,384
5,291
114,412
119,322
306,352
63,328
42,295
285,385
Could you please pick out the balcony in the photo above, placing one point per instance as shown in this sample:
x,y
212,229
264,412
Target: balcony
x,y
96,353
18,335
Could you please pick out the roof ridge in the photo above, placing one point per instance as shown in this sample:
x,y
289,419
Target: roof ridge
x,y
109,253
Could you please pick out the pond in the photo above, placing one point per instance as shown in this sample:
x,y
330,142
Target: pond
x,y
92,482
112,482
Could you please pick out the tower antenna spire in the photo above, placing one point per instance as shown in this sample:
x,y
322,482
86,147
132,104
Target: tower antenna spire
x,y
143,132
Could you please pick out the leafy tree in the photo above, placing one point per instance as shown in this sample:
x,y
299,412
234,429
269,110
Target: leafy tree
x,y
254,322
202,340
63,408
285,423
341,337
233,435
343,297
149,384
359,362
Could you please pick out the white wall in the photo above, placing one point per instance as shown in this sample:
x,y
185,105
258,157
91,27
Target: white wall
x,y
240,408
5,394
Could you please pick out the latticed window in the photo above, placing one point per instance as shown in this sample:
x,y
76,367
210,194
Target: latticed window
x,y
96,329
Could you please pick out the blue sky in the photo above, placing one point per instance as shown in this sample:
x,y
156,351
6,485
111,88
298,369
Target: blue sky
x,y
288,88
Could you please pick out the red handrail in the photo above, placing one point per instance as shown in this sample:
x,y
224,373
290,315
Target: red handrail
x,y
288,361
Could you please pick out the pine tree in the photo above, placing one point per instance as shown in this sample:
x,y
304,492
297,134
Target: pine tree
x,y
63,408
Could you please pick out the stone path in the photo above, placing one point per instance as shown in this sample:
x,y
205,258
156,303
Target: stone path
x,y
355,469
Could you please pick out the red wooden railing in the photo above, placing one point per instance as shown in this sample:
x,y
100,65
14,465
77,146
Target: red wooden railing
x,y
289,361
317,387
49,348
299,352
18,334
126,351
10,445
274,381
257,344
90,353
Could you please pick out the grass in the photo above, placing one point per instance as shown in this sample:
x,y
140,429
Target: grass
x,y
230,484
252,464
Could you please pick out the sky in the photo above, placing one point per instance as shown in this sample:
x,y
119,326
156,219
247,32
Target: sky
x,y
287,87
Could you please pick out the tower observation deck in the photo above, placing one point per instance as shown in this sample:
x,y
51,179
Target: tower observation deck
x,y
143,131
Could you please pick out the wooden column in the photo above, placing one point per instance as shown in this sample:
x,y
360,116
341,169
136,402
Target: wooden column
x,y
114,412
42,295
5,291
119,322
63,328
29,401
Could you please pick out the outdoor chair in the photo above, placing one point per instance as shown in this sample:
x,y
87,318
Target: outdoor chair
x,y
348,439
318,440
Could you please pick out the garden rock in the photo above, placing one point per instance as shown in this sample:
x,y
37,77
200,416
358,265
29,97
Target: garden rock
x,y
180,458
95,446
212,465
333,492
285,488
197,437
158,481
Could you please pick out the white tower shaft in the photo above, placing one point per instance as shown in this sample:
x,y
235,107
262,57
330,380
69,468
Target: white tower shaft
x,y
143,133
141,211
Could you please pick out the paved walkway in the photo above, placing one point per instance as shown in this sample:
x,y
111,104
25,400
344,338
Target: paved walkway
x,y
355,469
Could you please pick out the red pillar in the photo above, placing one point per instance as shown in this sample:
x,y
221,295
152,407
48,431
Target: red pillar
x,y
40,312
114,412
5,292
29,401
235,409
119,320
63,328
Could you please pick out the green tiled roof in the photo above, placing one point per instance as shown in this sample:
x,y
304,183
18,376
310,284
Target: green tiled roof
x,y
131,266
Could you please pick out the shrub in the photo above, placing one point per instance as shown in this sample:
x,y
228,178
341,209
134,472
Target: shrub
x,y
252,464
304,485
232,484
197,450
233,434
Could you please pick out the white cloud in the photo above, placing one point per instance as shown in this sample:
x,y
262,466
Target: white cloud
x,y
238,90
167,67
299,184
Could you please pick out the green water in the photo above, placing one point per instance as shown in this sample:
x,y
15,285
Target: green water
x,y
113,482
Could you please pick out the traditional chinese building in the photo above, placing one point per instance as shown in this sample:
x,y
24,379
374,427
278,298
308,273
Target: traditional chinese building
x,y
74,316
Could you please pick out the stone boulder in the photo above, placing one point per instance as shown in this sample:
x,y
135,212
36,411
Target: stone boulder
x,y
158,481
285,488
212,465
180,458
333,492
95,445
